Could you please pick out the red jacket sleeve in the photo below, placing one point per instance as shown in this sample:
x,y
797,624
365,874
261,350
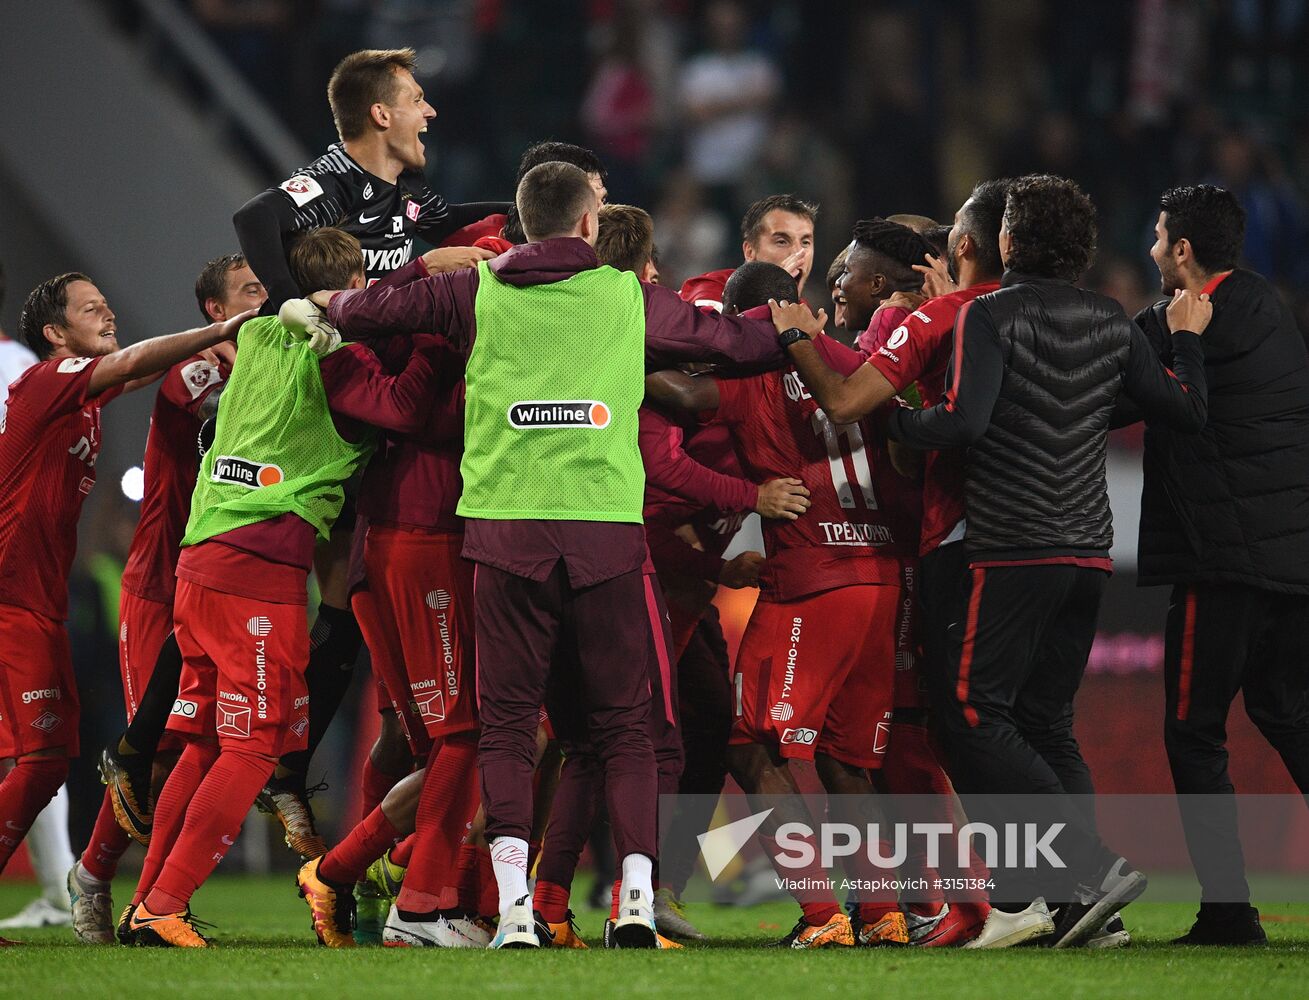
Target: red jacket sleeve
x,y
678,331
440,304
669,468
358,388
672,555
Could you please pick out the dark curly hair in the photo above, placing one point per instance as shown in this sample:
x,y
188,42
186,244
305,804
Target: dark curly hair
x,y
1052,223
898,248
1210,219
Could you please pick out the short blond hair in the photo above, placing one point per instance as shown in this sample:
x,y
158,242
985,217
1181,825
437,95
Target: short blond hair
x,y
626,237
360,80
325,258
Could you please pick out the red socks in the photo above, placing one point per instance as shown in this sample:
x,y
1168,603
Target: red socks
x,y
24,792
445,808
403,851
213,821
170,811
346,863
107,844
551,901
376,783
819,906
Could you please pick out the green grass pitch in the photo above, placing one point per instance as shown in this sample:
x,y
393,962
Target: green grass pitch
x,y
264,949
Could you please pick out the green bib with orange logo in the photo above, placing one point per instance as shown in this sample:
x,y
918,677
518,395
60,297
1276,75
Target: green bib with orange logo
x,y
554,383
276,450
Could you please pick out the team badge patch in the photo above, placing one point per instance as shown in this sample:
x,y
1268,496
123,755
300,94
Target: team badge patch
x,y
302,188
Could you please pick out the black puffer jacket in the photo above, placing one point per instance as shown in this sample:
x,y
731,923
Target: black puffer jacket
x,y
1037,369
1231,503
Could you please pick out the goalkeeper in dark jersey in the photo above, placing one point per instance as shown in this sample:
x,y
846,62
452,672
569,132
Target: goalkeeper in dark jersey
x,y
371,185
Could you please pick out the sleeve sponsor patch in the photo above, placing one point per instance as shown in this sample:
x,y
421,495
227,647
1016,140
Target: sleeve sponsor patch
x,y
302,189
70,365
897,339
921,316
199,376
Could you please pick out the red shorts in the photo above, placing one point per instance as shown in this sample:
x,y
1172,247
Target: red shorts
x,y
143,628
818,673
243,670
910,691
39,709
388,670
423,591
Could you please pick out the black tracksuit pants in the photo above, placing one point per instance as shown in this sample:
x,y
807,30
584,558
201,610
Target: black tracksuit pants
x,y
1006,648
1221,639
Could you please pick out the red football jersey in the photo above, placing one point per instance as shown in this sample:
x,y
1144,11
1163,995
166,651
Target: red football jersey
x,y
49,441
918,352
706,290
172,462
863,519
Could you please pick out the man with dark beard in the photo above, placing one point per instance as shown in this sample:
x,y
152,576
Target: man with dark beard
x,y
1222,521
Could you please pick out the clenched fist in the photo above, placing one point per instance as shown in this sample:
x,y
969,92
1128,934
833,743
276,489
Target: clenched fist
x,y
1189,311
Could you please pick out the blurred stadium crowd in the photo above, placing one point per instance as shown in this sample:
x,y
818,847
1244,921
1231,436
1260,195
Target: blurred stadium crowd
x,y
868,107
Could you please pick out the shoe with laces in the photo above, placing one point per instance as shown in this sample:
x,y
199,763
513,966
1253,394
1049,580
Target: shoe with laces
x,y
288,800
128,777
560,935
836,933
331,907
890,931
1094,902
92,907
168,930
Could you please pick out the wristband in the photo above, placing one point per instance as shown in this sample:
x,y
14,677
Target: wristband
x,y
792,336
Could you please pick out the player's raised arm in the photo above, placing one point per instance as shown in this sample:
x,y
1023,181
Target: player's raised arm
x,y
845,398
158,354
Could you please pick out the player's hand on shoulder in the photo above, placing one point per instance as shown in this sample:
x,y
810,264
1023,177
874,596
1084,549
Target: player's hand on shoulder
x,y
742,571
1189,311
796,315
782,499
447,259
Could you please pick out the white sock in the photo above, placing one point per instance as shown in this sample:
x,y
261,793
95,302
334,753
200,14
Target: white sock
x,y
48,848
509,861
637,873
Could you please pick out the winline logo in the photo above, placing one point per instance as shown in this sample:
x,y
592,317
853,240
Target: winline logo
x,y
534,413
243,472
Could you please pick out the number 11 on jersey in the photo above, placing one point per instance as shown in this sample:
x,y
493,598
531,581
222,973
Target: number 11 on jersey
x,y
846,441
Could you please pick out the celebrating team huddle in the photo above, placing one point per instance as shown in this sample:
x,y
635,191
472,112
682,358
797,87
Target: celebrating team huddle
x,y
514,464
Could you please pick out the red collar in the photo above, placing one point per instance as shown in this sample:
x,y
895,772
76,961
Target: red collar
x,y
1212,284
